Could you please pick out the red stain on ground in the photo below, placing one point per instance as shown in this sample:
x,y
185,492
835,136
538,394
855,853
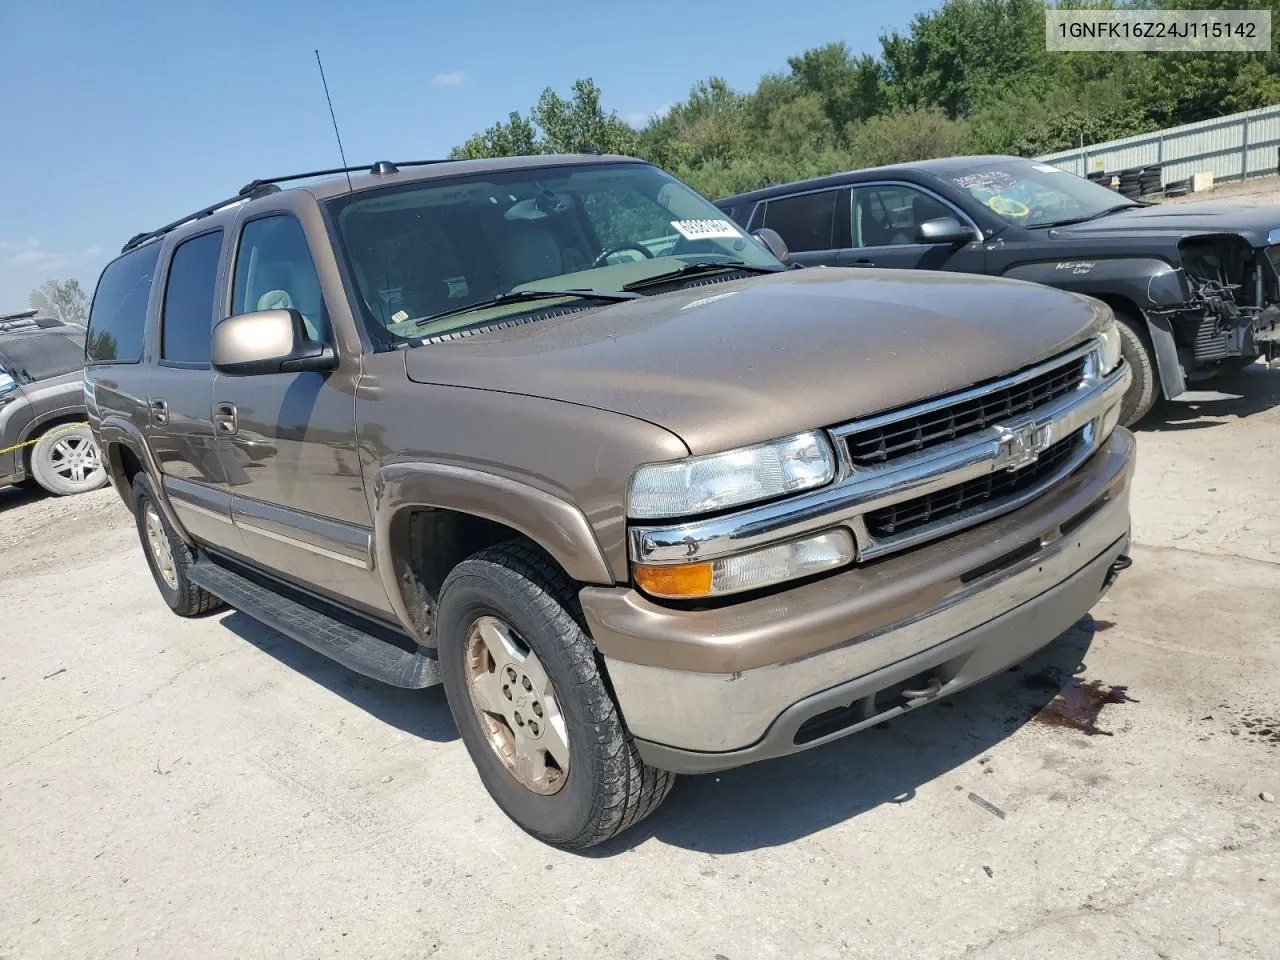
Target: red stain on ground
x,y
1078,705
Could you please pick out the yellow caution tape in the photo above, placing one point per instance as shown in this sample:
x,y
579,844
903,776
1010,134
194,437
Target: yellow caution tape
x,y
66,428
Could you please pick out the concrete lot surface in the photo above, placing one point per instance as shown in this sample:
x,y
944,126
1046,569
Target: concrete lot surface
x,y
210,789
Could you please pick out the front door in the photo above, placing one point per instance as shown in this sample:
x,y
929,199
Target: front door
x,y
884,219
287,441
180,394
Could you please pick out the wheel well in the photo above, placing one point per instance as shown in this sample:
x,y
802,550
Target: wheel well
x,y
428,543
1120,304
122,466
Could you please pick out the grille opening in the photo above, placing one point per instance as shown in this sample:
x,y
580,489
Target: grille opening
x,y
990,489
878,445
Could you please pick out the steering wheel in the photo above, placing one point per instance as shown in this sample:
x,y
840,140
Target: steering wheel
x,y
609,252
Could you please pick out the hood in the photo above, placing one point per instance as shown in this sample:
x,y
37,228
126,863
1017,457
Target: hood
x,y
726,364
1183,219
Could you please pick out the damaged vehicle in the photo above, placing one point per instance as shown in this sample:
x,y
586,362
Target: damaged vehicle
x,y
1196,287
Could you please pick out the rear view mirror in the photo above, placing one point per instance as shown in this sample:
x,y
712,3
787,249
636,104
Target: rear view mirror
x,y
267,341
944,230
777,246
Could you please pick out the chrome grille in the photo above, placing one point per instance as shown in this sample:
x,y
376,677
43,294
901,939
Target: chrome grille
x,y
886,441
991,489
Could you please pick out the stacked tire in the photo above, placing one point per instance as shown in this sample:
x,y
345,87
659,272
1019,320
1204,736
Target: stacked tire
x,y
1131,183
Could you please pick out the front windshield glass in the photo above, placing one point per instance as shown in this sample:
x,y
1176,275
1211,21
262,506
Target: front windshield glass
x,y
424,249
1031,194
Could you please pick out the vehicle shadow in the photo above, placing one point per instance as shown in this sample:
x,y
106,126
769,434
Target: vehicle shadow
x,y
775,802
1253,390
422,713
12,497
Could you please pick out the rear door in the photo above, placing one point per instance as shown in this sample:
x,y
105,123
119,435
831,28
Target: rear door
x,y
813,224
883,221
180,393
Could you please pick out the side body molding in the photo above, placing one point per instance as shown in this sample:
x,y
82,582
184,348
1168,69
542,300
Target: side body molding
x,y
556,525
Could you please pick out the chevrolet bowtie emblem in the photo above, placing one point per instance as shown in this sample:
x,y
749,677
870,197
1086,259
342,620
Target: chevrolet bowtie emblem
x,y
1020,446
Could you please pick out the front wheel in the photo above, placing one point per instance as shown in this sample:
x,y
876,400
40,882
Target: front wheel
x,y
1135,347
527,694
65,460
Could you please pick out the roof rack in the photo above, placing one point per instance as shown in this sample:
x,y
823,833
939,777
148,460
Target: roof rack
x,y
26,320
267,185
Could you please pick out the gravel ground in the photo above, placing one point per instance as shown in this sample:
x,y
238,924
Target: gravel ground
x,y
208,788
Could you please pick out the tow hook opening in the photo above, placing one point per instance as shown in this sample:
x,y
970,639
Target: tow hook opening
x,y
1120,563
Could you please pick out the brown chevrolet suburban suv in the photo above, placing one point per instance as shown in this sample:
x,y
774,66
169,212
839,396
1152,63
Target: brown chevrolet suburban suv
x,y
554,433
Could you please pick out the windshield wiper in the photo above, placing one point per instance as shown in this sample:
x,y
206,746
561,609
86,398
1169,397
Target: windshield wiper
x,y
521,296
701,266
1092,216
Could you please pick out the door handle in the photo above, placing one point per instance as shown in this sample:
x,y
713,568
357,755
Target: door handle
x,y
862,262
159,412
224,418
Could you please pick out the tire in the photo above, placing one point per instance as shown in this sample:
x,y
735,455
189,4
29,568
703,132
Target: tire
x,y
66,460
170,572
607,788
1135,347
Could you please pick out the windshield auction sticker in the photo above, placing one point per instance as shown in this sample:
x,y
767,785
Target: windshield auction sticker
x,y
1158,31
706,229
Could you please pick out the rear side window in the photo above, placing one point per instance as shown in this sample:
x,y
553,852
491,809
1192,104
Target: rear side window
x,y
805,222
119,313
187,320
42,357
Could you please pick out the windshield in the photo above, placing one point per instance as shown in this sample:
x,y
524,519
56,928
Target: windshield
x,y
422,250
1031,194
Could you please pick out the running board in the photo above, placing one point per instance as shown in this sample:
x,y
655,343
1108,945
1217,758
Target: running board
x,y
353,648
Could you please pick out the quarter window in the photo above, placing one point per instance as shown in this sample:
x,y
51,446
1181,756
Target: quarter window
x,y
187,320
274,271
889,215
806,222
119,313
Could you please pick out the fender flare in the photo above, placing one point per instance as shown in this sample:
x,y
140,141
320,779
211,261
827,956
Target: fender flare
x,y
554,524
1152,285
117,431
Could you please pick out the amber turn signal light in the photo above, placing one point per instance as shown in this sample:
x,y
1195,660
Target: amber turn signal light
x,y
680,580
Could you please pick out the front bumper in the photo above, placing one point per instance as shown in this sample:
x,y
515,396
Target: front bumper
x,y
712,689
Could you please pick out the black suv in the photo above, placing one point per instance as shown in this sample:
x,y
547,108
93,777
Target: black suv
x,y
1195,287
44,437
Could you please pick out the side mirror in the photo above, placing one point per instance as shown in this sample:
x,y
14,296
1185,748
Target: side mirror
x,y
777,246
944,230
267,341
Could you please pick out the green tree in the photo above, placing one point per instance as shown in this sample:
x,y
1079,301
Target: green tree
x,y
64,300
513,138
914,133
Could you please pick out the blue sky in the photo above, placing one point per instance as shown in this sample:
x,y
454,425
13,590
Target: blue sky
x,y
117,117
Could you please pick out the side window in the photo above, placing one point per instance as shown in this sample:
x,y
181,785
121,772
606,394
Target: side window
x,y
187,318
274,271
805,222
43,357
889,215
119,312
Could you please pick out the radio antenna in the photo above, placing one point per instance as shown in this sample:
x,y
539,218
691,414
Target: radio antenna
x,y
341,153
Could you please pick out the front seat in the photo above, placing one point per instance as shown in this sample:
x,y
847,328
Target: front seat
x,y
286,291
529,253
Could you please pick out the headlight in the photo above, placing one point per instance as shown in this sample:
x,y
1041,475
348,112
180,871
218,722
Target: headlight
x,y
697,485
1109,339
748,571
